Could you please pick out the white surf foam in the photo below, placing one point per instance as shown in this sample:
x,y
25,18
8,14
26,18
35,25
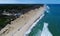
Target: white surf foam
x,y
45,31
47,8
47,11
33,25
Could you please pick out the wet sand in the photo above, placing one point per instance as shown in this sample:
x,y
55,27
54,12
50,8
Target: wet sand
x,y
19,26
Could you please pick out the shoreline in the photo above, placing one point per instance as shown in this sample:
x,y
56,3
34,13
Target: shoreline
x,y
33,25
27,26
19,26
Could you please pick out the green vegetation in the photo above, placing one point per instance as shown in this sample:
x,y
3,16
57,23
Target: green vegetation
x,y
7,7
2,22
17,6
2,19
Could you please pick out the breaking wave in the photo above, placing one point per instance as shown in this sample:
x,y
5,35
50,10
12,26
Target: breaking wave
x,y
45,31
47,9
28,31
33,25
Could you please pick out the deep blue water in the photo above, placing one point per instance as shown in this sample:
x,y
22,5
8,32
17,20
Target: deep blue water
x,y
53,20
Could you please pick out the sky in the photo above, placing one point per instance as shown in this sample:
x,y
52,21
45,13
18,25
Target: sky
x,y
30,1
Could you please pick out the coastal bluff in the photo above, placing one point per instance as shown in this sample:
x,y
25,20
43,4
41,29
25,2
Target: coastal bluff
x,y
19,26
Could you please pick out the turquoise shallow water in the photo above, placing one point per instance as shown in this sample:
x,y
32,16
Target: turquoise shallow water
x,y
53,20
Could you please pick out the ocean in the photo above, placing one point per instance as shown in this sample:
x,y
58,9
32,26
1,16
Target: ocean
x,y
49,25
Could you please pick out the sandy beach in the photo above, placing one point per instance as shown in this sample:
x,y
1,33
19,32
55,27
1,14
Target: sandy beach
x,y
19,26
